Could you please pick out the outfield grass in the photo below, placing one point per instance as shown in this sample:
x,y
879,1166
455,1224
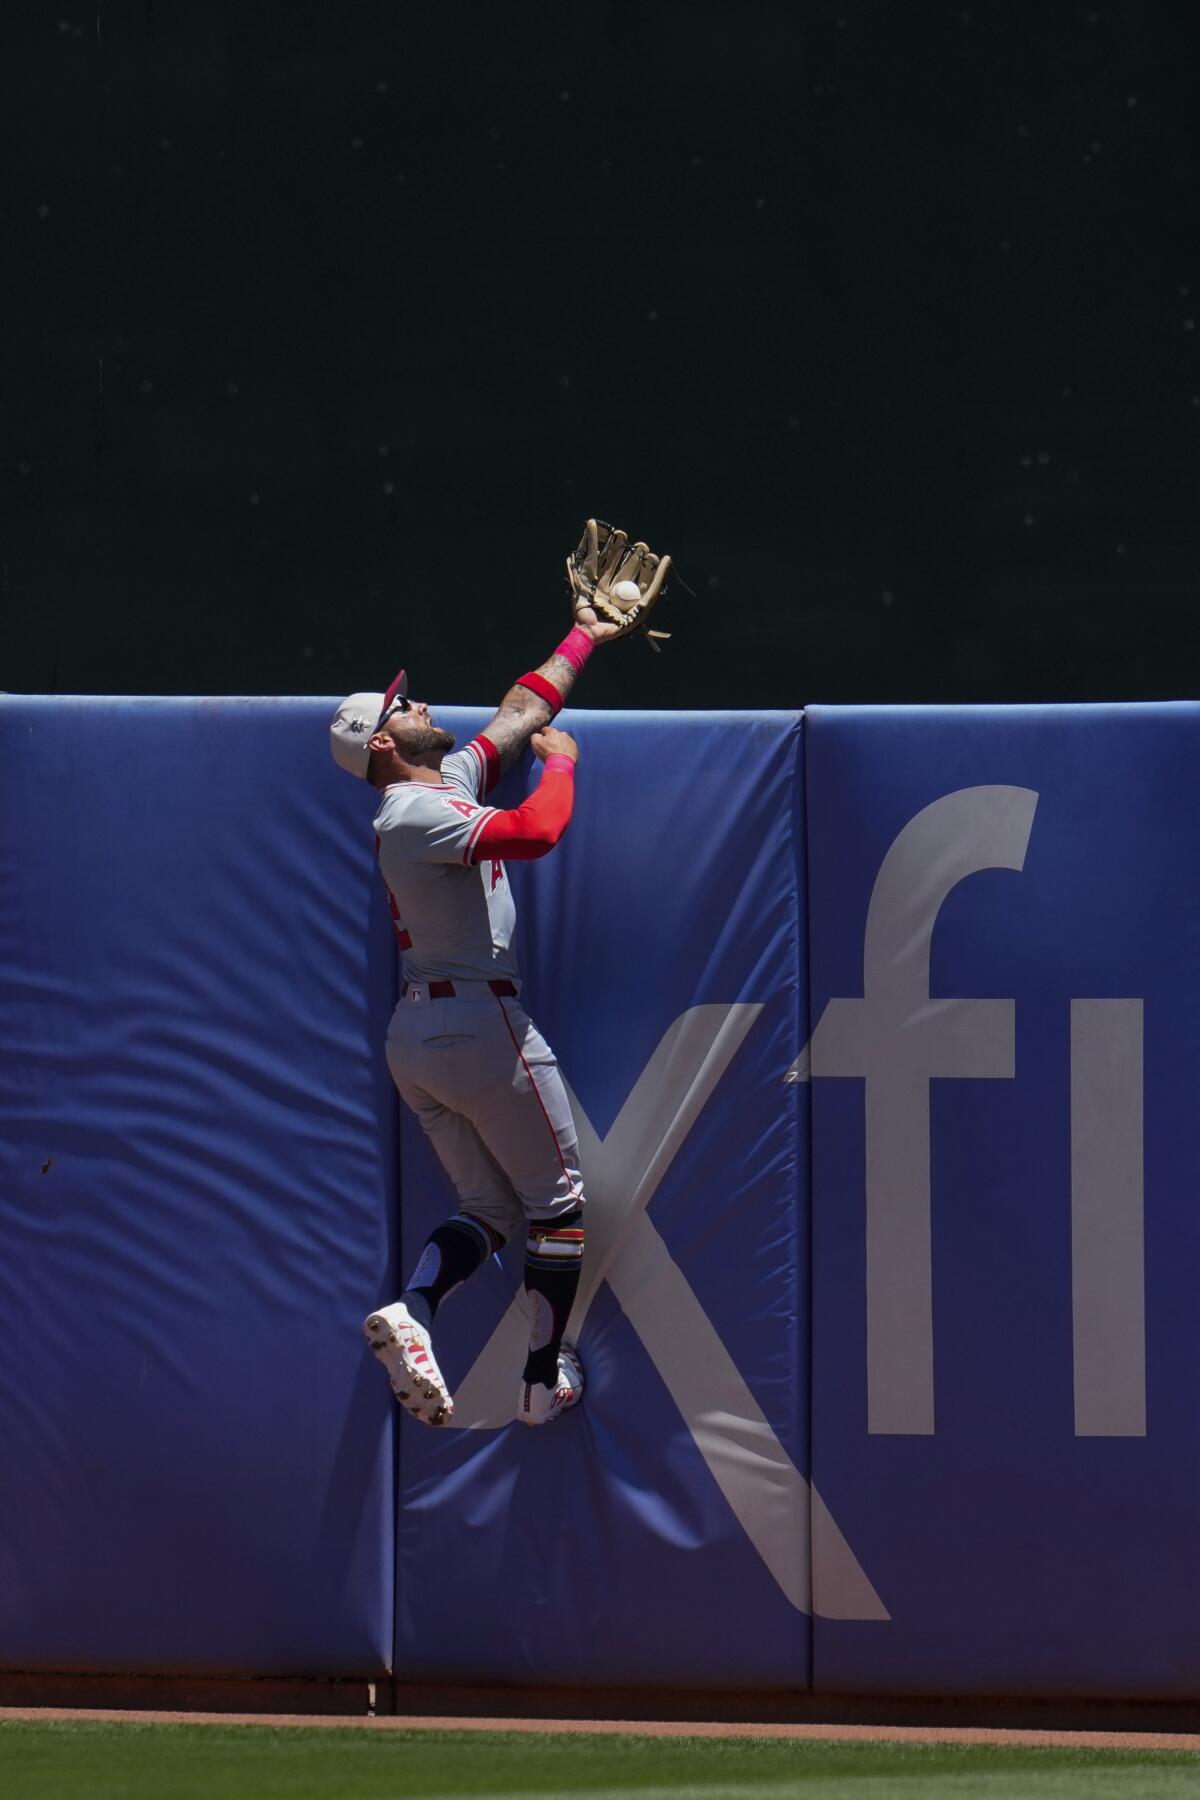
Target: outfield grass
x,y
93,1761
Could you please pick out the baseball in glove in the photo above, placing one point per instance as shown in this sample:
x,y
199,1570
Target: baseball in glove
x,y
620,581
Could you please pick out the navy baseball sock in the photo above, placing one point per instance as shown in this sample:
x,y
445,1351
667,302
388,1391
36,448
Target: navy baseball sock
x,y
553,1259
452,1252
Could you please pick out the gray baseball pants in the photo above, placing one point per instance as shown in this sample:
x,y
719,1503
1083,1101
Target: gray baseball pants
x,y
485,1085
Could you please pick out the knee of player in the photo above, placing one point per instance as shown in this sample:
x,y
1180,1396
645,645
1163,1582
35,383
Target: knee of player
x,y
557,1240
495,1238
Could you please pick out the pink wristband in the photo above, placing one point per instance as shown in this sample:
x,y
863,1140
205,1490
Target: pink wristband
x,y
561,764
576,647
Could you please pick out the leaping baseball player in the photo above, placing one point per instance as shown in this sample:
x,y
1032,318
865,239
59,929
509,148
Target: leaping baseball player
x,y
463,1052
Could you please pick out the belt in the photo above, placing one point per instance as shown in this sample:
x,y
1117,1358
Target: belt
x,y
445,990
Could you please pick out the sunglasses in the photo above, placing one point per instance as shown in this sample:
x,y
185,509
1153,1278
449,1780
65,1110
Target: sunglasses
x,y
395,700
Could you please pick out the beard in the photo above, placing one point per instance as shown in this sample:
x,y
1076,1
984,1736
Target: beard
x,y
425,738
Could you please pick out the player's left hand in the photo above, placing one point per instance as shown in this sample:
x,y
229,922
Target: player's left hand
x,y
597,629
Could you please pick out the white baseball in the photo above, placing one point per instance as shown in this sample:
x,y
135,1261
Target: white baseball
x,y
627,592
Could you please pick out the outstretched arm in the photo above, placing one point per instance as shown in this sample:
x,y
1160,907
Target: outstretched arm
x,y
534,699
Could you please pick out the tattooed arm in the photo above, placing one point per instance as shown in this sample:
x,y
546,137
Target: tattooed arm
x,y
534,699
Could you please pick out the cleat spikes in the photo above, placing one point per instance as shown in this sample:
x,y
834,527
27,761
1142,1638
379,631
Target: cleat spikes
x,y
403,1347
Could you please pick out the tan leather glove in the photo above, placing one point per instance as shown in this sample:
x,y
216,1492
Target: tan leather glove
x,y
604,558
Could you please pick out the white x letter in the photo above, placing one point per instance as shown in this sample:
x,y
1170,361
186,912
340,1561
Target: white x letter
x,y
772,1501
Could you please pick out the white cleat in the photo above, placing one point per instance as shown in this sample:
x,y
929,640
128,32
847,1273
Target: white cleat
x,y
539,1405
406,1352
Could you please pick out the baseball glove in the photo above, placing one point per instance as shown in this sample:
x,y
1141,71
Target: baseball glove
x,y
604,559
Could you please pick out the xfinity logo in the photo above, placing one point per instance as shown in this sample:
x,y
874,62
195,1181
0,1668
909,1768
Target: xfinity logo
x,y
896,1039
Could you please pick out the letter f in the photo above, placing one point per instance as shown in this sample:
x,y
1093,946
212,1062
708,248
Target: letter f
x,y
898,1038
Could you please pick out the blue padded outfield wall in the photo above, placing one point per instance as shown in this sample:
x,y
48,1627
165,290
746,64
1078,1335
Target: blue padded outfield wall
x,y
661,1534
1005,957
883,1030
198,1163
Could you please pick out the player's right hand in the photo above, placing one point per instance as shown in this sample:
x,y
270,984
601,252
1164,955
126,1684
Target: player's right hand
x,y
554,743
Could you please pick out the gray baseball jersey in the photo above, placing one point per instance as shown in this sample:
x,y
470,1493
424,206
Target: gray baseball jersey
x,y
454,918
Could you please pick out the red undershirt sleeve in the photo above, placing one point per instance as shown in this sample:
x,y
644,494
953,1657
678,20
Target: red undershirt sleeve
x,y
487,758
533,828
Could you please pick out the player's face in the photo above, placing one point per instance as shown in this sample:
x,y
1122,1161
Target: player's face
x,y
414,733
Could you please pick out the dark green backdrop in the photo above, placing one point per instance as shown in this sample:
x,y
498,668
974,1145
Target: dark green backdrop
x,y
328,324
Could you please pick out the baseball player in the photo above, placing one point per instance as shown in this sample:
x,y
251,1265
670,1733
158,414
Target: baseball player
x,y
461,1049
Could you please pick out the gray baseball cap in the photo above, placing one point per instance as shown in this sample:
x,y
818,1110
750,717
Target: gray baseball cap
x,y
358,716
